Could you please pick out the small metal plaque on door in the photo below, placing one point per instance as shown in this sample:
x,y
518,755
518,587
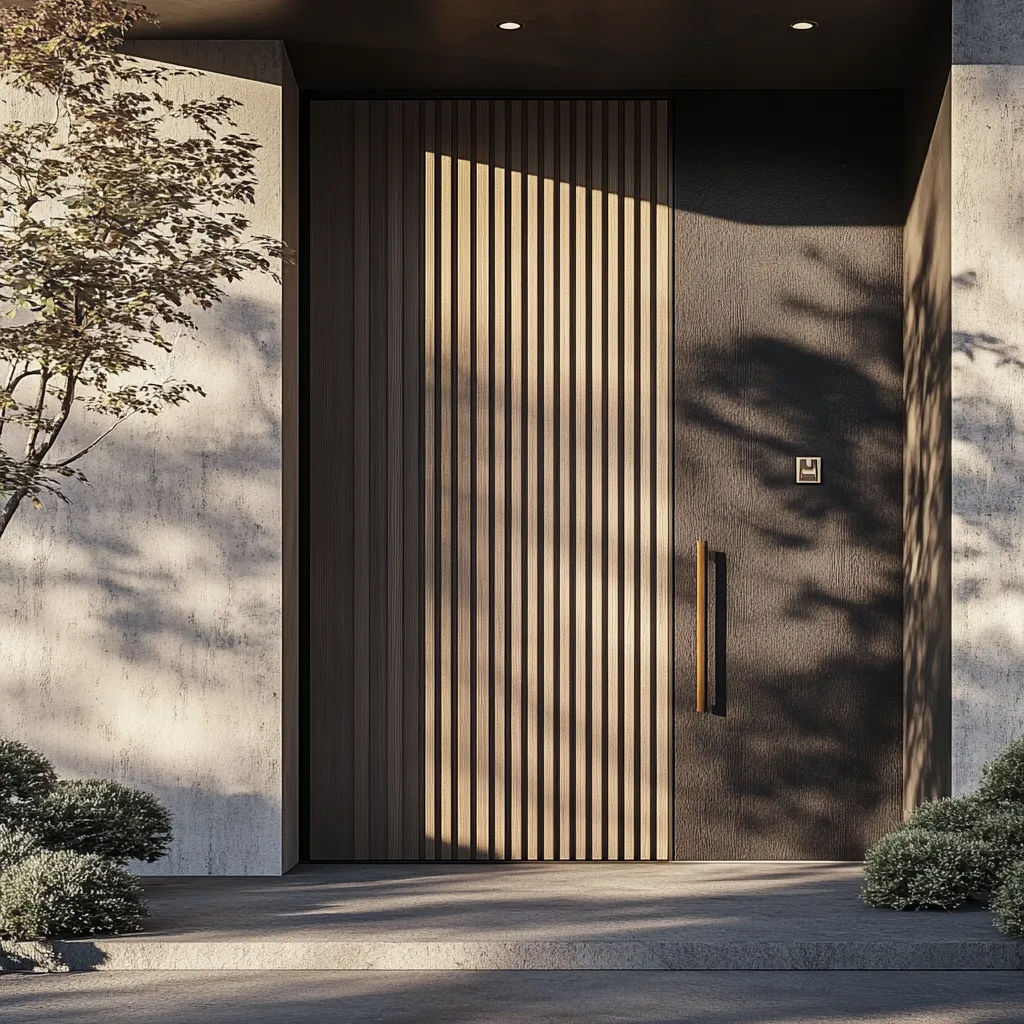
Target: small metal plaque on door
x,y
808,469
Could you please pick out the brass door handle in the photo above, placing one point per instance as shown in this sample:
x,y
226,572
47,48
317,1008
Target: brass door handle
x,y
702,626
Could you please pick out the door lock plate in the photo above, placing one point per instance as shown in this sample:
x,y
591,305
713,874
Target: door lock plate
x,y
808,469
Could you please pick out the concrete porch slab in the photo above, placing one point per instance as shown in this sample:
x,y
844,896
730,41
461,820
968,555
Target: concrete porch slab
x,y
567,916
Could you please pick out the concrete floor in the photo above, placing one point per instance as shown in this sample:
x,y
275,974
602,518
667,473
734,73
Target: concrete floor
x,y
594,997
709,902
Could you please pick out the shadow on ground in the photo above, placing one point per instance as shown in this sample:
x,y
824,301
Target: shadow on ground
x,y
502,997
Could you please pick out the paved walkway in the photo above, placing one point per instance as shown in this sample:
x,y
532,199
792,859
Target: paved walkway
x,y
481,997
579,916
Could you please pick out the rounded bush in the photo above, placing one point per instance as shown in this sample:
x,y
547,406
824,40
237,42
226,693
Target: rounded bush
x,y
999,829
1001,835
916,868
1008,903
1002,779
63,893
98,816
950,814
15,845
25,778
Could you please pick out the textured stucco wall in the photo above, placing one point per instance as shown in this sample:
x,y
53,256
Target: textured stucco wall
x,y
143,627
987,89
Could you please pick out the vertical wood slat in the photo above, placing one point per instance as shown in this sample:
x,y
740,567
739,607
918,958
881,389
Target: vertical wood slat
x,y
482,465
430,470
613,486
595,483
361,472
393,423
414,608
663,462
500,511
580,458
516,510
533,378
462,499
547,554
631,410
564,485
505,348
643,213
447,577
377,335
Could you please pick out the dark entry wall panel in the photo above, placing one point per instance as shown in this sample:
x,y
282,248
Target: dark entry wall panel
x,y
789,343
490,540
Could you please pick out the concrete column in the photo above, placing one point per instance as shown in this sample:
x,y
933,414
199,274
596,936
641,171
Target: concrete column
x,y
927,457
987,149
150,630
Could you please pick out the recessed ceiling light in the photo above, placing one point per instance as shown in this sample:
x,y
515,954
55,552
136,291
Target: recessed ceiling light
x,y
803,26
510,26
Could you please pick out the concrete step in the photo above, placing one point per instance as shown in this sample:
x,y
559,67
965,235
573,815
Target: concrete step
x,y
128,954
577,916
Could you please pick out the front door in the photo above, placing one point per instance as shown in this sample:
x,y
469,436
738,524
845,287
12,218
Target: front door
x,y
512,450
788,347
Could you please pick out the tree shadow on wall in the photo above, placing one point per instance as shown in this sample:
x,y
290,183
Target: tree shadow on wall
x,y
143,618
988,586
806,763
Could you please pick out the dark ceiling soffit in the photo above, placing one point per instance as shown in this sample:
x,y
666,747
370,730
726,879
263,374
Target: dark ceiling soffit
x,y
488,94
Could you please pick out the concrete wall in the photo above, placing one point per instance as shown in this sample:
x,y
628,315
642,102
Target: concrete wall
x,y
927,499
987,94
144,637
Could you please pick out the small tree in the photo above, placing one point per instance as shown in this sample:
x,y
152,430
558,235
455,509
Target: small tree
x,y
120,213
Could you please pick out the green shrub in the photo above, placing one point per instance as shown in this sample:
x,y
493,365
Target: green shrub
x,y
950,814
97,816
999,829
64,893
25,778
1008,903
15,845
1002,779
915,868
1001,834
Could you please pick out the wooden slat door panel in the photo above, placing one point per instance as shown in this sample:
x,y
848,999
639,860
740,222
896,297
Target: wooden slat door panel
x,y
490,465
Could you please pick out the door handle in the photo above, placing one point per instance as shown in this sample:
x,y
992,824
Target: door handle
x,y
702,626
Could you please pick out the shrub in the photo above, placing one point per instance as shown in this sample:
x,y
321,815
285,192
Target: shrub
x,y
999,829
950,814
97,816
25,778
1008,903
1001,834
15,845
1002,779
64,893
915,868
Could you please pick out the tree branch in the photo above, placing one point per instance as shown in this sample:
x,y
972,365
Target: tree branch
x,y
7,387
74,458
65,411
37,412
10,506
21,376
12,374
